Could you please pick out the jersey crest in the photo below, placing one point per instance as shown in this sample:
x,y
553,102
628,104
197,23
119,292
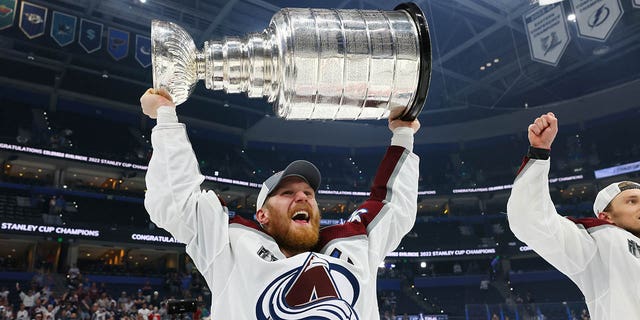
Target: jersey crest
x,y
316,290
355,216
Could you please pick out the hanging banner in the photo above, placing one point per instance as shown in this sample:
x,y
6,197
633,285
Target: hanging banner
x,y
547,33
33,18
636,3
596,18
118,43
63,28
143,50
90,38
7,13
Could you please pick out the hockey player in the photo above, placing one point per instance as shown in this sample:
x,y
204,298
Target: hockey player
x,y
282,266
601,255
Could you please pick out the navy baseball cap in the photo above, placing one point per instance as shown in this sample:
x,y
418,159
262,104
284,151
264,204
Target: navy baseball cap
x,y
299,168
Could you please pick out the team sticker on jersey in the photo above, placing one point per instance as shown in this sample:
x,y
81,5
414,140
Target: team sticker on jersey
x,y
634,248
317,290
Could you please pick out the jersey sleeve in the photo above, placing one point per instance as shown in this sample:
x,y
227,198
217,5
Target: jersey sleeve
x,y
390,211
175,201
533,219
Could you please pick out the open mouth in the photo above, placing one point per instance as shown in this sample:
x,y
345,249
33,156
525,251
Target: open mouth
x,y
300,217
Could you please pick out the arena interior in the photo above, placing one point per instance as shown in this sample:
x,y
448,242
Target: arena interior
x,y
74,149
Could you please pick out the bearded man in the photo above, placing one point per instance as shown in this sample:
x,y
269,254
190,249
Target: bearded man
x,y
281,266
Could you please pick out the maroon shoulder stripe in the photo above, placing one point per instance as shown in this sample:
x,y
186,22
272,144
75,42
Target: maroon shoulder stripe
x,y
370,208
340,231
245,222
388,164
525,160
589,222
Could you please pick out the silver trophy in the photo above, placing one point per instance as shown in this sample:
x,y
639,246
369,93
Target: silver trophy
x,y
311,63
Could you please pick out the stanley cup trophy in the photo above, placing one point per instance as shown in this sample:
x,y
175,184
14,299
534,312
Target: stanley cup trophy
x,y
310,63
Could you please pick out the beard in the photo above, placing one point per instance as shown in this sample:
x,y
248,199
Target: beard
x,y
295,239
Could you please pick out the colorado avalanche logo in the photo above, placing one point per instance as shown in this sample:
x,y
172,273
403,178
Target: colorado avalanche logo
x,y
355,216
318,290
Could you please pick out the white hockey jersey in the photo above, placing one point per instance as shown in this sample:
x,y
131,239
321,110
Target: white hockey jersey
x,y
250,278
601,258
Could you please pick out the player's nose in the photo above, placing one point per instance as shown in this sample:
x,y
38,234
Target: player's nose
x,y
301,196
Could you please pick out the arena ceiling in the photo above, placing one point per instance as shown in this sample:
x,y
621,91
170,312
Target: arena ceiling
x,y
482,64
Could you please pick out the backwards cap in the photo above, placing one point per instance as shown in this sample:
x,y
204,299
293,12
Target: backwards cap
x,y
607,194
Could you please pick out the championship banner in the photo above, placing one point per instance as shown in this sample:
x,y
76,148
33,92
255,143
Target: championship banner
x,y
63,28
547,33
33,18
118,43
90,38
143,50
596,18
158,237
7,13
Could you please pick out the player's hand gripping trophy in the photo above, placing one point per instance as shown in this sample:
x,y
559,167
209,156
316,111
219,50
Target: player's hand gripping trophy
x,y
311,63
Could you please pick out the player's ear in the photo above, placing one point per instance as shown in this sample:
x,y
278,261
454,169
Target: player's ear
x,y
262,215
606,216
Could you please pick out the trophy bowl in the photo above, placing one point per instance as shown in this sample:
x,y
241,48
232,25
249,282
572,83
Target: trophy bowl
x,y
173,58
333,64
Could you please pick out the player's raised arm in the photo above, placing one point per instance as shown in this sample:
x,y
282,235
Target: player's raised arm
x,y
174,199
532,214
390,211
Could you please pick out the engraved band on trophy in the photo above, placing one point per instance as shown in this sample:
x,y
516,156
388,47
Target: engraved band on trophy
x,y
311,63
